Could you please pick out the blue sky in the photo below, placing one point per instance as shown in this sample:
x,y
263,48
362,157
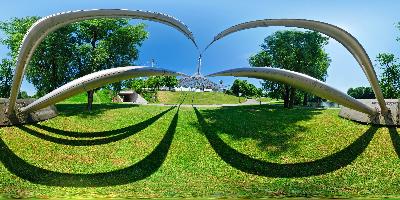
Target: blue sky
x,y
371,22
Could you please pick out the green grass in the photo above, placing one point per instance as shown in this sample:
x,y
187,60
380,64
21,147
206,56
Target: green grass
x,y
100,96
270,100
165,97
121,150
197,98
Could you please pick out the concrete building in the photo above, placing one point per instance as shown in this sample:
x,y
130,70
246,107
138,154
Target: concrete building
x,y
131,96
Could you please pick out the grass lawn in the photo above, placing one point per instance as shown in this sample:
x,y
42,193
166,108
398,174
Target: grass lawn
x,y
122,150
100,96
197,98
270,100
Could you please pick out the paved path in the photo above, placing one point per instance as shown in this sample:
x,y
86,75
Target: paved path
x,y
251,102
247,102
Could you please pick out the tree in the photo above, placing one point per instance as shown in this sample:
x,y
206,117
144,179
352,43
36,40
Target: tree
x,y
6,76
23,95
246,89
236,87
48,68
106,43
15,30
361,93
155,82
296,51
390,77
170,82
136,84
76,50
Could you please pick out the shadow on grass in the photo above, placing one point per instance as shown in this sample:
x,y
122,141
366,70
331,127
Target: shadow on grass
x,y
272,126
75,134
80,109
141,170
263,168
394,135
117,134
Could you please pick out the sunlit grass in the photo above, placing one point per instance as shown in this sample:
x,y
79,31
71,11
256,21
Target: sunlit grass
x,y
100,96
197,98
194,166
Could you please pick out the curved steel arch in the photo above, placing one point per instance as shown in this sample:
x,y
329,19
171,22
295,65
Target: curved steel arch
x,y
48,24
301,81
345,38
92,81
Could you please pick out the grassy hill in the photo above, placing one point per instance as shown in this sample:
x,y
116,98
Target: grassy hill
x,y
122,150
198,98
100,96
165,97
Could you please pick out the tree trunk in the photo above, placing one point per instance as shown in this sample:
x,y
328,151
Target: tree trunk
x,y
53,75
292,97
305,99
286,97
91,92
90,99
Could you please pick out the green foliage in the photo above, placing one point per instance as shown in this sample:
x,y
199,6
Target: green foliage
x,y
398,27
107,43
76,49
390,77
15,30
155,82
102,96
296,51
136,84
152,83
6,76
361,93
150,96
273,89
23,95
246,89
170,81
48,68
261,59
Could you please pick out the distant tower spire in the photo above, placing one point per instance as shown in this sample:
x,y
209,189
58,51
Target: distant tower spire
x,y
198,81
199,66
152,62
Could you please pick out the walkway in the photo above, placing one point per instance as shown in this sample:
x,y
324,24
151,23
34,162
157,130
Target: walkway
x,y
247,102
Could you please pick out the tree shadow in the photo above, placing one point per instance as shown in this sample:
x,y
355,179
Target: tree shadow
x,y
264,168
75,134
269,125
80,109
117,134
394,135
141,170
